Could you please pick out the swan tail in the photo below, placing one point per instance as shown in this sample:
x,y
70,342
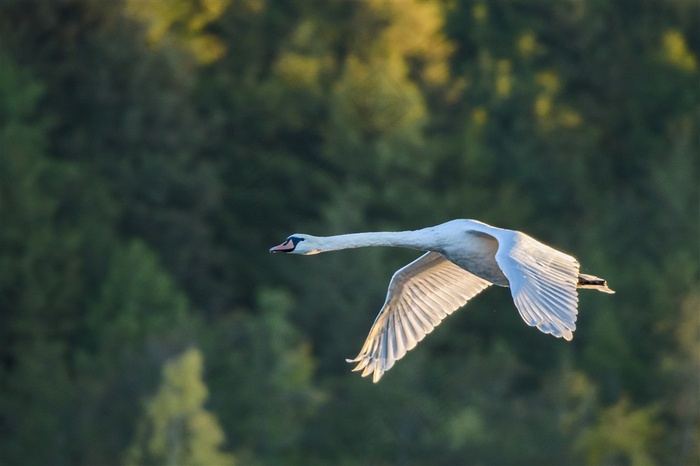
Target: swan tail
x,y
594,283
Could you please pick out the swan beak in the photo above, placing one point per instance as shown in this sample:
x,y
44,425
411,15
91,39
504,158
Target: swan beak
x,y
284,247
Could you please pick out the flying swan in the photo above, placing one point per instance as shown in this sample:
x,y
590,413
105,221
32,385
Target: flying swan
x,y
463,258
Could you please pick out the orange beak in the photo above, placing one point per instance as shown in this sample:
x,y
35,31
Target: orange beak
x,y
284,247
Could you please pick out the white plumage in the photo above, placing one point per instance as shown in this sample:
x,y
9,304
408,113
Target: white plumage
x,y
464,257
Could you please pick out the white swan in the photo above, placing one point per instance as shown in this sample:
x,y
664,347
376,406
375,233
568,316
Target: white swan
x,y
464,257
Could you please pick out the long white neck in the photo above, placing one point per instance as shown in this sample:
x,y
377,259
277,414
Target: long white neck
x,y
418,239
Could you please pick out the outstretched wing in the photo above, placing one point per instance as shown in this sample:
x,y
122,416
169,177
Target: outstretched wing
x,y
420,295
542,282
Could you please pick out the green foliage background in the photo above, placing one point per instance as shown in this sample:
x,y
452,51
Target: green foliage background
x,y
152,151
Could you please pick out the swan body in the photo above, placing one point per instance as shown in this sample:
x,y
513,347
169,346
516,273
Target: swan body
x,y
463,258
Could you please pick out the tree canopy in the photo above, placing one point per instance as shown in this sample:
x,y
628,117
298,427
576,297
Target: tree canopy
x,y
152,152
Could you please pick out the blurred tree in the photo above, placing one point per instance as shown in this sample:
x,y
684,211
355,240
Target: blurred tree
x,y
681,381
622,435
137,300
152,151
77,309
138,319
133,126
176,429
185,21
40,266
266,370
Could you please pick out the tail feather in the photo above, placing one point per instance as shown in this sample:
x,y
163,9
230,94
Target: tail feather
x,y
593,282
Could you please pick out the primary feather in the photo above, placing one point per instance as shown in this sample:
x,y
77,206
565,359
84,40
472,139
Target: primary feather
x,y
420,295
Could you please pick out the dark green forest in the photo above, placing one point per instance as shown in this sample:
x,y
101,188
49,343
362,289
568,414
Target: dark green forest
x,y
152,152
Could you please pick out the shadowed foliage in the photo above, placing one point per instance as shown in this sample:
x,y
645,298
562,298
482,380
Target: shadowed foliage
x,y
152,152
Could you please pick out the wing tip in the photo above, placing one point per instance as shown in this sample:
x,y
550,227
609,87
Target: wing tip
x,y
550,328
364,365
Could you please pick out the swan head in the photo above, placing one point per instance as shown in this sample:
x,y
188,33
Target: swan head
x,y
297,244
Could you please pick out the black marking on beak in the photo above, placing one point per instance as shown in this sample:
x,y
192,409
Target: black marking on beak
x,y
288,246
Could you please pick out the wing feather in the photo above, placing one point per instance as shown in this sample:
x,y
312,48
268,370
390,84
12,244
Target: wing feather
x,y
542,282
420,295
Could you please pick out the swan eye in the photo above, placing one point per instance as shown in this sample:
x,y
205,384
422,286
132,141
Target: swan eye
x,y
295,240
